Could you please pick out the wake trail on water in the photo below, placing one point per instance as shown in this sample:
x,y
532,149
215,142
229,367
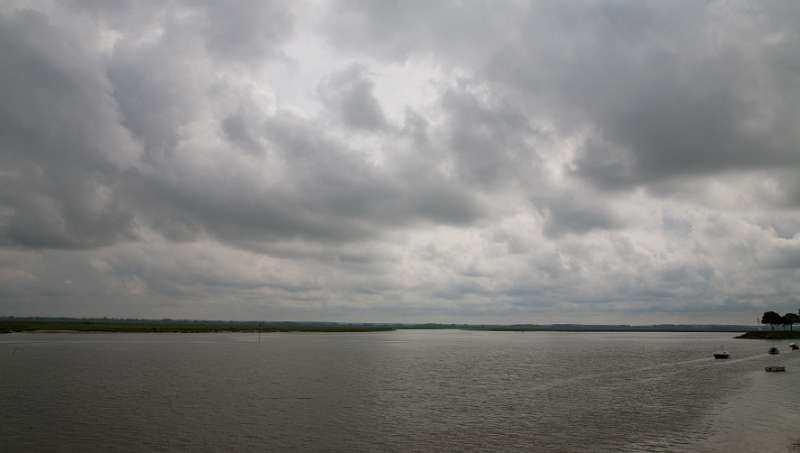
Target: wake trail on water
x,y
677,366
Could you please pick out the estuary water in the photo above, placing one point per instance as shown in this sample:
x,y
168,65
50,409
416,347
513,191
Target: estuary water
x,y
403,391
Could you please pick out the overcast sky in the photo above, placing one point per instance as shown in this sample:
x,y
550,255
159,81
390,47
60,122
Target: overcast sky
x,y
464,161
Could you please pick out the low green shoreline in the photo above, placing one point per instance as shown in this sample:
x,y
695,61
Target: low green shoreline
x,y
143,326
32,324
770,335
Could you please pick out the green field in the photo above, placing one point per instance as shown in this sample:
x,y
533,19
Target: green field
x,y
8,325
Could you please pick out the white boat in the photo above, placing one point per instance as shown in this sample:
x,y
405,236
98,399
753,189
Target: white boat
x,y
775,369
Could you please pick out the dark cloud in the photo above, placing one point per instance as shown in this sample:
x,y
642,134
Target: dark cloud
x,y
399,30
578,214
349,94
664,90
243,30
154,96
488,138
327,193
784,257
60,142
234,31
63,135
241,130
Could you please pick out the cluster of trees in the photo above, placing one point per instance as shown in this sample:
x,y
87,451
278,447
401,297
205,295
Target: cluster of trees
x,y
772,318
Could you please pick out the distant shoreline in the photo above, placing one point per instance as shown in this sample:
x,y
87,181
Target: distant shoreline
x,y
770,335
68,325
148,326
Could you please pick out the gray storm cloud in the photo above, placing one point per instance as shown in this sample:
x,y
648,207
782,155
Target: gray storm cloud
x,y
413,161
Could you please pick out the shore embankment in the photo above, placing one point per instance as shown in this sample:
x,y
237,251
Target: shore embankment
x,y
771,335
165,326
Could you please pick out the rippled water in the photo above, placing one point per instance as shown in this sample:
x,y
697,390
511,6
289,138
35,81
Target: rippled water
x,y
395,391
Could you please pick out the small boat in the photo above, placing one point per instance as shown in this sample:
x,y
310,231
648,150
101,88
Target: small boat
x,y
775,369
721,355
794,346
773,350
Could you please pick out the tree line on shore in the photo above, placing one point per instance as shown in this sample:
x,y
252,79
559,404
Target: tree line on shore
x,y
775,319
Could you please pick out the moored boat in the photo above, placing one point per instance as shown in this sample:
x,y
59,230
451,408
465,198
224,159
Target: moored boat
x,y
773,350
775,369
721,355
794,346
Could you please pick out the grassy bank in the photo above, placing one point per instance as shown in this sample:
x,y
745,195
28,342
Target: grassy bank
x,y
28,324
81,325
771,335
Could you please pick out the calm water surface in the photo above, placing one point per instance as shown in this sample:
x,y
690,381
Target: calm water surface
x,y
399,391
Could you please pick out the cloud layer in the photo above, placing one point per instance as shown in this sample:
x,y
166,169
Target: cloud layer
x,y
414,161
